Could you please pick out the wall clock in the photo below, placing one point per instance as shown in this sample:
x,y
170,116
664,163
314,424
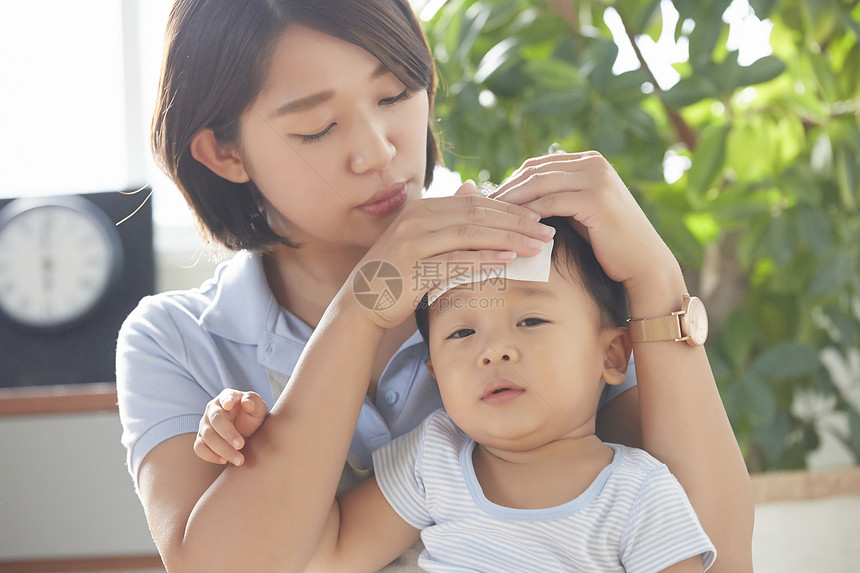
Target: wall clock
x,y
68,278
59,258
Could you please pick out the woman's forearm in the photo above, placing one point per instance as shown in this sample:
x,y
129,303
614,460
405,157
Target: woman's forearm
x,y
685,425
268,514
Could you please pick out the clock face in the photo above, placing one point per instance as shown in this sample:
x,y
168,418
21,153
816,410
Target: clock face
x,y
58,259
697,322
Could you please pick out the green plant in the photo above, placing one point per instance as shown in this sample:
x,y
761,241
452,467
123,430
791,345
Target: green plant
x,y
765,220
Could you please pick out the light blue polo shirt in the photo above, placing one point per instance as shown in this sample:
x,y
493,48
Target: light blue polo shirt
x,y
177,350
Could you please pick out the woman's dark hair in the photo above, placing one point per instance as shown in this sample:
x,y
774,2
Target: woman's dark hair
x,y
216,56
571,249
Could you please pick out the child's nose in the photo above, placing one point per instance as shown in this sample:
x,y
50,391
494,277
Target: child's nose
x,y
489,359
500,354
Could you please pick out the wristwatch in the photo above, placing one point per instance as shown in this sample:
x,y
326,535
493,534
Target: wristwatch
x,y
690,325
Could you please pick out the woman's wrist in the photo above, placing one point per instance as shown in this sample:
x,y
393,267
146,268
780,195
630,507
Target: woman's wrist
x,y
657,293
346,306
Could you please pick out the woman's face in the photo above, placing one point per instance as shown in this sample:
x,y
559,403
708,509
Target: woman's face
x,y
335,142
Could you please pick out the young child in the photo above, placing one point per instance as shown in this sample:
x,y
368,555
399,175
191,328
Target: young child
x,y
511,476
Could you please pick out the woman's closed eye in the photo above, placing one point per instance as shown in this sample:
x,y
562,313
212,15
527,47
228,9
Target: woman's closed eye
x,y
462,333
316,136
404,95
398,98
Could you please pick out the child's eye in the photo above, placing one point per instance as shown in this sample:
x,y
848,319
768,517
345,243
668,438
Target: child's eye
x,y
462,333
316,136
392,100
533,321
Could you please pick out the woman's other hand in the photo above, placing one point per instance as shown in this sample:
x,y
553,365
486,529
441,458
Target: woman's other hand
x,y
585,187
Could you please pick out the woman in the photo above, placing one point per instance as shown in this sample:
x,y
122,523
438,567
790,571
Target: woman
x,y
301,132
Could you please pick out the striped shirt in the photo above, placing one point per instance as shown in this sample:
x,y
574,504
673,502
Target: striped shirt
x,y
634,516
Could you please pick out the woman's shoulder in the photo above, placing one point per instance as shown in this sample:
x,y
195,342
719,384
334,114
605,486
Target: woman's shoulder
x,y
179,306
172,306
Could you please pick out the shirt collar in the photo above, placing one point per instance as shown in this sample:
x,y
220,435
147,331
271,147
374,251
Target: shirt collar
x,y
243,302
244,310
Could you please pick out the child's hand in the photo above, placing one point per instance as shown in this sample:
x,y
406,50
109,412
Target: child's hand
x,y
229,418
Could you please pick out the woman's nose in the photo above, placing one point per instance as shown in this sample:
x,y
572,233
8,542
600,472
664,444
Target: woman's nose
x,y
372,150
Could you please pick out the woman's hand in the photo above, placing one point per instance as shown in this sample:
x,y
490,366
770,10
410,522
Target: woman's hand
x,y
228,420
436,239
585,187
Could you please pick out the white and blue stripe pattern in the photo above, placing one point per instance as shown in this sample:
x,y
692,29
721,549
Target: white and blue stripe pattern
x,y
634,517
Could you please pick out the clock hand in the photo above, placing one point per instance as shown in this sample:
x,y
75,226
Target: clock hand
x,y
47,263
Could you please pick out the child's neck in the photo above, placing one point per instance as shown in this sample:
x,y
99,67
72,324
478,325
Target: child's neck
x,y
548,476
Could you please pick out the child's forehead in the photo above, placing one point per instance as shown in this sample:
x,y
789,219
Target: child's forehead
x,y
499,290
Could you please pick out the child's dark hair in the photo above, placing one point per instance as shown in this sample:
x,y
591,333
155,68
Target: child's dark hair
x,y
575,252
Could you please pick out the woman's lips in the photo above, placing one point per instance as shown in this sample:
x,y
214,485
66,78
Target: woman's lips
x,y
500,391
385,201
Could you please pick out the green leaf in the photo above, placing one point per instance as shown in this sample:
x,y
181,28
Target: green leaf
x,y
772,440
498,57
824,75
843,327
738,335
751,244
707,159
554,73
820,19
728,74
762,70
849,77
702,226
852,440
603,57
817,229
847,176
473,22
775,315
637,14
641,124
779,239
749,147
835,273
558,104
690,90
762,8
704,37
688,251
787,360
759,405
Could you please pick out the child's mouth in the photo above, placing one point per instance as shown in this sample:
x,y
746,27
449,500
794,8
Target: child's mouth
x,y
500,390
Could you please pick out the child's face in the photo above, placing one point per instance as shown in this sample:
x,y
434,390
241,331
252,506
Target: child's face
x,y
334,142
520,364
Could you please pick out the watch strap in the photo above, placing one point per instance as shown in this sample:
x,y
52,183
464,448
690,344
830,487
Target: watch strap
x,y
655,329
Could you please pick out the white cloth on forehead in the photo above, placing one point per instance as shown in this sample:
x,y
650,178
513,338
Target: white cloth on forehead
x,y
535,269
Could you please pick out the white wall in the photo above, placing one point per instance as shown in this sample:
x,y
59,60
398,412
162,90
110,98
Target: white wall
x,y
65,491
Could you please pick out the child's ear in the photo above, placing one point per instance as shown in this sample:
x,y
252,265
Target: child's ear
x,y
429,365
616,355
221,158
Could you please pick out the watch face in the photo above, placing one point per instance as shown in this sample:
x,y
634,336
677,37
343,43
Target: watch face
x,y
58,259
696,322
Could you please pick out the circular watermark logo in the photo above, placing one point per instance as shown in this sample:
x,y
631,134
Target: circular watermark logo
x,y
377,285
